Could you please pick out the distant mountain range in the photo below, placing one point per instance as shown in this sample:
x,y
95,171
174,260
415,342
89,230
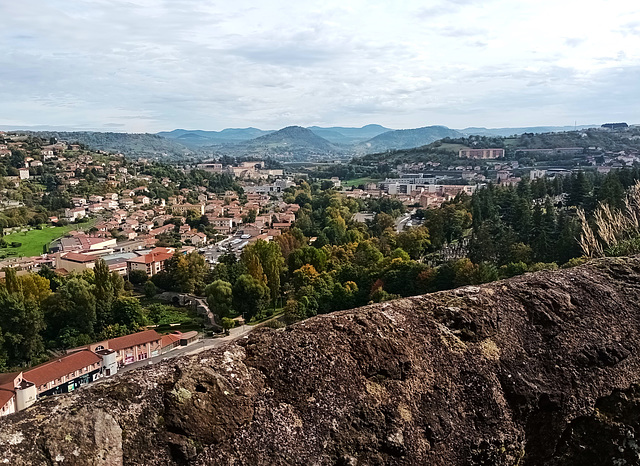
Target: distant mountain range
x,y
334,135
301,142
292,142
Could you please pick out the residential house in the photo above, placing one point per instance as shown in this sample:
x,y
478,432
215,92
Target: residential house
x,y
251,229
150,263
183,209
163,229
195,237
222,225
126,202
75,213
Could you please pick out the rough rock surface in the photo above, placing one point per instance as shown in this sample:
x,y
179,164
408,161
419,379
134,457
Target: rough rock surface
x,y
539,369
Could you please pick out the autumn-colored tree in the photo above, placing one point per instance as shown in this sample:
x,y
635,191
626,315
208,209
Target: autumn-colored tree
x,y
34,287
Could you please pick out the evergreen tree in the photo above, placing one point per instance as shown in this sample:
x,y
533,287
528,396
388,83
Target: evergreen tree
x,y
580,189
103,291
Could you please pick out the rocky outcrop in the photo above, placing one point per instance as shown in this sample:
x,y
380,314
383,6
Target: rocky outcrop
x,y
539,369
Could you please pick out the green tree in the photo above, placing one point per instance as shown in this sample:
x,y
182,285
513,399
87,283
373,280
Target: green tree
x,y
150,290
138,277
580,189
249,296
293,311
367,255
103,291
611,191
117,284
183,273
73,305
270,258
22,321
127,311
219,297
250,216
228,324
381,222
11,282
415,241
520,252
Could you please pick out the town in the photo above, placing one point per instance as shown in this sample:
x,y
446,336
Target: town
x,y
67,210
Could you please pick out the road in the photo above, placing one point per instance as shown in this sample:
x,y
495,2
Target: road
x,y
194,348
402,222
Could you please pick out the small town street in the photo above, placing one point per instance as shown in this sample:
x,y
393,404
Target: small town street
x,y
195,348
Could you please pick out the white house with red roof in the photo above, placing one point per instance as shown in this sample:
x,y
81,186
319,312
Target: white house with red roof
x,y
152,262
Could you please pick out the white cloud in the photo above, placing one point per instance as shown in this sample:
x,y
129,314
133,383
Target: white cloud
x,y
149,65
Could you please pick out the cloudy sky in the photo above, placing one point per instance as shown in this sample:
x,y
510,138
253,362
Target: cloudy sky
x,y
151,65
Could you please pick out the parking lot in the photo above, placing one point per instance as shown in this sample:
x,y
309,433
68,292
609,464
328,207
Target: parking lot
x,y
233,244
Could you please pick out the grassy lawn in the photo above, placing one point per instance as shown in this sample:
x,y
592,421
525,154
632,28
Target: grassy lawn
x,y
359,181
277,312
34,240
169,318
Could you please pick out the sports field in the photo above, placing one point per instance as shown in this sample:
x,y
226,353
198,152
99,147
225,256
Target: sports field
x,y
33,241
359,181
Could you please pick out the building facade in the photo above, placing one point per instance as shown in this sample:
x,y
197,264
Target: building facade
x,y
493,153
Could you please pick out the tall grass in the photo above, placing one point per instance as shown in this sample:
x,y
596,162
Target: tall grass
x,y
612,232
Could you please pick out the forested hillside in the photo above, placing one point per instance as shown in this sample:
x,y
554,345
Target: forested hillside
x,y
132,144
446,149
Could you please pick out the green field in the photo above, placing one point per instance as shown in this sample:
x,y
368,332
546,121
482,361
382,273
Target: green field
x,y
33,241
359,181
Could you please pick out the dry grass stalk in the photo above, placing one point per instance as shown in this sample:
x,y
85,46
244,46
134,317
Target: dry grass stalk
x,y
612,225
588,241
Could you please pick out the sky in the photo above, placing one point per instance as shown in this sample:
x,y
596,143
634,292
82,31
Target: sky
x,y
150,65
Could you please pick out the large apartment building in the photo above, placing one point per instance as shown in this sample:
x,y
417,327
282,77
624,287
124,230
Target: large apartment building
x,y
492,153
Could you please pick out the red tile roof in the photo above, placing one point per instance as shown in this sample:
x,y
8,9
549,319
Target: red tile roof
x,y
188,335
140,338
152,257
77,257
170,339
5,396
8,379
58,368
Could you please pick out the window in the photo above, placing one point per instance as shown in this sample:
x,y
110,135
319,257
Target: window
x,y
99,348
